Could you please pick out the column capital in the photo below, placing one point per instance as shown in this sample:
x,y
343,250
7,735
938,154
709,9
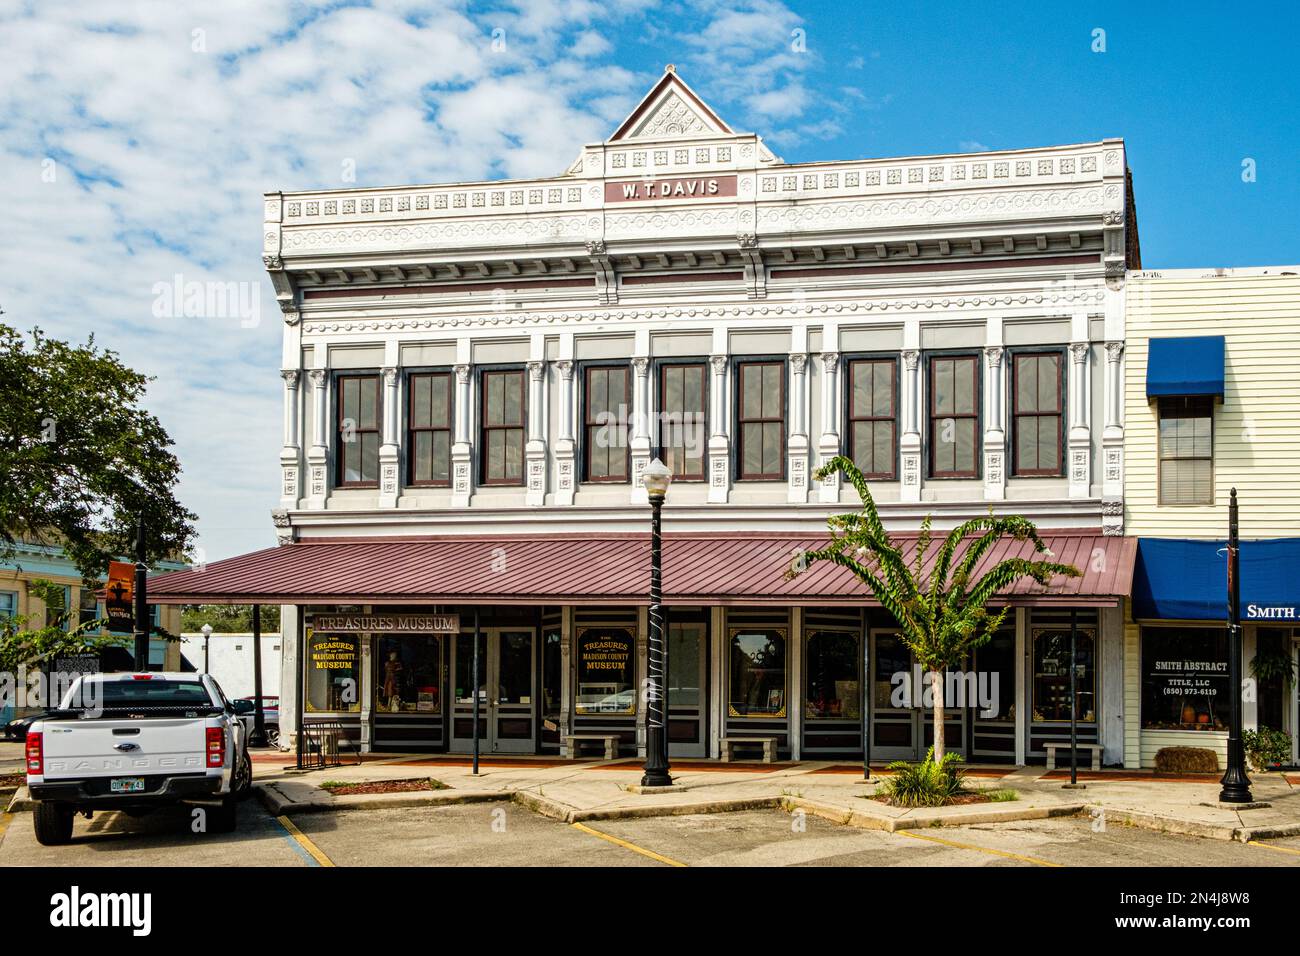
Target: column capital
x,y
642,365
390,375
798,362
719,363
911,359
317,376
290,376
1114,350
1079,352
535,370
830,361
462,374
993,354
565,367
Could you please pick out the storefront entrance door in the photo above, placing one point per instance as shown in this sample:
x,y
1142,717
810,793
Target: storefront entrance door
x,y
507,691
687,653
902,728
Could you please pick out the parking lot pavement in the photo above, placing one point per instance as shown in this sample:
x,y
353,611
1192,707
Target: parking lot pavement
x,y
482,834
503,834
162,838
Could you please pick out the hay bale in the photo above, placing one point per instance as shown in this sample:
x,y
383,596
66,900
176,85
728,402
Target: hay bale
x,y
1186,760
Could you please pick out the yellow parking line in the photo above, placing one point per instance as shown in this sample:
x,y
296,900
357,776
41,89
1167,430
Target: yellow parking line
x,y
305,842
4,824
628,846
1266,846
982,849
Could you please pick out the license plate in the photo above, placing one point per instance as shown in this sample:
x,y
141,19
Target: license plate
x,y
126,785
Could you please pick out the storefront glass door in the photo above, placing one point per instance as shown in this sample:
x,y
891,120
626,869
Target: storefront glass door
x,y
507,691
686,689
902,727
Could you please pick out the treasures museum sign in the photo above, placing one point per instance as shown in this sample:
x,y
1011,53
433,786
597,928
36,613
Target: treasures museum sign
x,y
391,623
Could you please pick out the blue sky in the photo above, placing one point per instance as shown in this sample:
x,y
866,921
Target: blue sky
x,y
136,139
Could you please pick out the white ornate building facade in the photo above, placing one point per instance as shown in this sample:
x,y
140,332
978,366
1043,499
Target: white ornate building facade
x,y
477,374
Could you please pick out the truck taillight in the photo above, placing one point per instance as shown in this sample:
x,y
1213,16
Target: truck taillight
x,y
35,754
216,747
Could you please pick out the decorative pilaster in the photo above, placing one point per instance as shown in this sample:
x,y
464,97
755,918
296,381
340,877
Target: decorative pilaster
x,y
535,450
389,450
1112,443
1080,442
995,445
719,440
462,448
797,442
829,445
317,455
910,444
566,475
640,430
290,450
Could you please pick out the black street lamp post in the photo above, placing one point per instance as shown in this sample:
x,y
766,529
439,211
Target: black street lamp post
x,y
657,477
1236,785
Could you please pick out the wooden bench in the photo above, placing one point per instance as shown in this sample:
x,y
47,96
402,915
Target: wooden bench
x,y
768,743
1052,748
611,742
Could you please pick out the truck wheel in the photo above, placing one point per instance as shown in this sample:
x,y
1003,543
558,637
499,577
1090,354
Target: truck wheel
x,y
53,823
224,817
242,785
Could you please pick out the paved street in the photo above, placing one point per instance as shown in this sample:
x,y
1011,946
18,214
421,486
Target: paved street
x,y
503,834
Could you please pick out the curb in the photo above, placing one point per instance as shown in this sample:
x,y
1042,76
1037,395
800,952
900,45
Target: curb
x,y
565,813
1210,831
20,802
279,804
925,818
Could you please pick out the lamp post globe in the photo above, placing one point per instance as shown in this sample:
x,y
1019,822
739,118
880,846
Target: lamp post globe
x,y
206,630
657,478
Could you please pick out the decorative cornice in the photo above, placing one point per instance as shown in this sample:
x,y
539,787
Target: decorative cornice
x,y
741,311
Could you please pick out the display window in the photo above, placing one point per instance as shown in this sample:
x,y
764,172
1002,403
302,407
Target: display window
x,y
605,683
1185,678
333,673
1051,682
831,669
757,670
408,674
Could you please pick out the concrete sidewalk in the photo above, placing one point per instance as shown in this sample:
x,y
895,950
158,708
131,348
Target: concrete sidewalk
x,y
593,790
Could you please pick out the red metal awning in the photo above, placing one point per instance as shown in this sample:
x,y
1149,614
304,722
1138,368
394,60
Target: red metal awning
x,y
720,568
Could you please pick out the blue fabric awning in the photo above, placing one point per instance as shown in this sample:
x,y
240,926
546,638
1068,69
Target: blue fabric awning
x,y
1185,367
1188,580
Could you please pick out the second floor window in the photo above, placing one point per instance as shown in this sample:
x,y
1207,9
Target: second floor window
x,y
761,417
502,460
357,437
88,611
954,416
682,438
606,400
872,425
1037,412
1186,451
429,429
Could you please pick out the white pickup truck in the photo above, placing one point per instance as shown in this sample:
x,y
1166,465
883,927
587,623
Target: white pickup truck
x,y
135,742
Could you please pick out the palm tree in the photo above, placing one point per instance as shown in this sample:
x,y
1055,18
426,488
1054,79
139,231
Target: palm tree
x,y
944,617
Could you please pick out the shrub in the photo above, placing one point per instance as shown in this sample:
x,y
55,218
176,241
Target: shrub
x,y
1186,760
924,784
1266,747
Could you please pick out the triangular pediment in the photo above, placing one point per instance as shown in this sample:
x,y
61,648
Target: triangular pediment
x,y
670,109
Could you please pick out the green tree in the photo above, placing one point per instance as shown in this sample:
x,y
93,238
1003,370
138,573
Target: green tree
x,y
22,646
229,618
80,459
944,616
